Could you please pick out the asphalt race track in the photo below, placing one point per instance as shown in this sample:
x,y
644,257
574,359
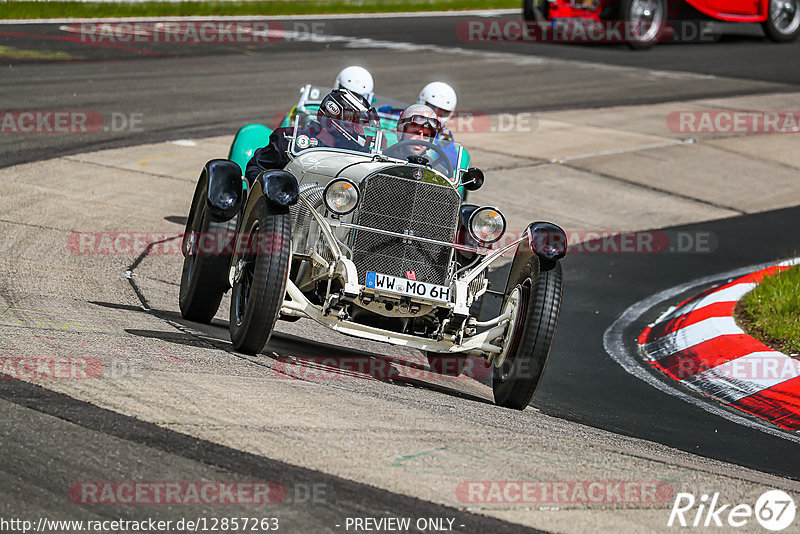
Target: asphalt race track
x,y
213,88
589,420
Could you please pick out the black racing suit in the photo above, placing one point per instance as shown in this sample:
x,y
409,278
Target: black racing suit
x,y
274,156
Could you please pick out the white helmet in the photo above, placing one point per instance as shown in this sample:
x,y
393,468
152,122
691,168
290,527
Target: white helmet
x,y
441,97
356,79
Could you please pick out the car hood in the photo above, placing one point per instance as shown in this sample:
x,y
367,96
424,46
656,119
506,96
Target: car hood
x,y
322,166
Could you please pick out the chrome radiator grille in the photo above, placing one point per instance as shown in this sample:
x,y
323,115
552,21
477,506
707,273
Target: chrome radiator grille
x,y
405,206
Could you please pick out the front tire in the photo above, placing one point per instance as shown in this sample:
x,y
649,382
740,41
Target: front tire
x,y
514,383
260,286
649,19
783,20
204,277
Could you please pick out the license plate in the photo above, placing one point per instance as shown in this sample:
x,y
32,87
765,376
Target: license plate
x,y
408,288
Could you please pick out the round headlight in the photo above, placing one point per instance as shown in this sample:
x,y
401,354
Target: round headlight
x,y
341,196
487,225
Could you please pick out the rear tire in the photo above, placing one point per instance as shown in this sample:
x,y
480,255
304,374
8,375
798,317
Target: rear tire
x,y
783,20
447,364
535,10
204,277
259,292
515,382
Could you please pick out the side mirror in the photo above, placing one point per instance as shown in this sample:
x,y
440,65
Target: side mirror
x,y
472,180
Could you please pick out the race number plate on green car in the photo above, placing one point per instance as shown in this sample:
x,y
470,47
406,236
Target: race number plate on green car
x,y
408,288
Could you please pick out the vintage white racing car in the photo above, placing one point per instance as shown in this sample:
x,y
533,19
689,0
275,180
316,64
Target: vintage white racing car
x,y
373,242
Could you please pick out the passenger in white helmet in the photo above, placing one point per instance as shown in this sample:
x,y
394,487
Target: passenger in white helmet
x,y
356,79
441,98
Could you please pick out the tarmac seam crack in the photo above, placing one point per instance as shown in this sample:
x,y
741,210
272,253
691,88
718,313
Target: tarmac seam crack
x,y
538,161
663,144
145,277
512,167
655,189
75,330
42,227
751,157
117,167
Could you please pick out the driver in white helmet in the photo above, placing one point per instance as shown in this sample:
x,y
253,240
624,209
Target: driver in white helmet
x,y
356,79
441,98
418,122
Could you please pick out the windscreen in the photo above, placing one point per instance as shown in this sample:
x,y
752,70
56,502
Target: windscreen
x,y
442,155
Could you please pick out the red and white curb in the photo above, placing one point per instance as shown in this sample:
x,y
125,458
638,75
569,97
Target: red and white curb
x,y
699,344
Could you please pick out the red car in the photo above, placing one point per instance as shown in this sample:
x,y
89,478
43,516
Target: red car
x,y
779,18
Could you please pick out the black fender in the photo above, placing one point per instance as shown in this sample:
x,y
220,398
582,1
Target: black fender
x,y
280,188
225,192
546,243
281,191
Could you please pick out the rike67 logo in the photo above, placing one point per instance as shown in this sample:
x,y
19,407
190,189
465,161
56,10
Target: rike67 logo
x,y
774,510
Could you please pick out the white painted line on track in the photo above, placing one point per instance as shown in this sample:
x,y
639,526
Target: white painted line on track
x,y
486,55
614,344
488,13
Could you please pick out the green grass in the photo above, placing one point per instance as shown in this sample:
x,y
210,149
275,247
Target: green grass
x,y
34,10
771,312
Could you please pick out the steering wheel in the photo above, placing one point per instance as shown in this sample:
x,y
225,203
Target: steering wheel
x,y
395,151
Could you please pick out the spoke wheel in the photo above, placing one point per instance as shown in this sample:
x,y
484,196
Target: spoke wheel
x,y
530,337
783,20
647,19
260,277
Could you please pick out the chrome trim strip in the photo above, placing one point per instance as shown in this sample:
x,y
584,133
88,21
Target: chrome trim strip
x,y
410,237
